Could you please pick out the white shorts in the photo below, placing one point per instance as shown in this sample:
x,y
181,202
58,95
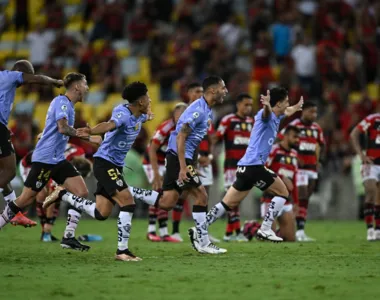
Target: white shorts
x,y
207,177
370,172
23,171
149,172
303,176
285,209
229,178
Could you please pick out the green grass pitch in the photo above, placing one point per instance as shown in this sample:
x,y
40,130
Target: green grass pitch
x,y
341,265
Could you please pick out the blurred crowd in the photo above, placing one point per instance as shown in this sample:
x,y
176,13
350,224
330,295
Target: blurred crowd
x,y
326,50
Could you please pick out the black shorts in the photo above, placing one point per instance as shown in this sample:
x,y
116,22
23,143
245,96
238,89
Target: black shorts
x,y
249,176
40,174
172,172
6,147
110,178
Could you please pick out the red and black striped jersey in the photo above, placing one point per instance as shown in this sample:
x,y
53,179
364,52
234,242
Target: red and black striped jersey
x,y
204,145
160,138
370,126
310,137
235,132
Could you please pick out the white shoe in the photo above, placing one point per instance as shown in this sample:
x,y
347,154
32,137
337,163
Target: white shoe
x,y
193,238
177,236
229,238
268,235
211,249
241,238
371,235
377,235
213,239
302,237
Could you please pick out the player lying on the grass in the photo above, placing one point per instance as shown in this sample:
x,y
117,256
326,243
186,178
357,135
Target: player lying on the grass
x,y
48,160
120,134
251,170
235,129
22,73
154,167
370,170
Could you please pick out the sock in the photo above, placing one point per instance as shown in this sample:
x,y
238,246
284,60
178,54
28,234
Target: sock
x,y
81,204
216,212
199,216
152,219
8,213
237,220
274,208
368,214
72,222
230,225
41,214
10,197
124,224
147,196
163,222
302,213
377,217
176,216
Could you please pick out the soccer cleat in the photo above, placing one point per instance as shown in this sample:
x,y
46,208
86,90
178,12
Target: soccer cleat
x,y
90,238
126,255
74,244
211,249
53,197
240,238
302,237
21,220
377,234
177,236
53,238
268,235
371,235
229,238
213,239
46,237
170,239
193,238
153,237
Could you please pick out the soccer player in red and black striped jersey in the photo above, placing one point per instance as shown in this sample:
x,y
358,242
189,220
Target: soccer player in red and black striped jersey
x,y
234,130
370,170
154,167
309,151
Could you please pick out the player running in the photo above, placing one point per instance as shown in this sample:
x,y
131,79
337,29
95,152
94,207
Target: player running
x,y
309,152
370,170
154,167
251,170
235,129
21,73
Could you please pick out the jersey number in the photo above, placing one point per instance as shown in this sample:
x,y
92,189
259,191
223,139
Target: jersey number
x,y
113,173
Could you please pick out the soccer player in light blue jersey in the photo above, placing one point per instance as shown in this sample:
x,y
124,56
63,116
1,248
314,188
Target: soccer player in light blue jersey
x,y
251,170
21,73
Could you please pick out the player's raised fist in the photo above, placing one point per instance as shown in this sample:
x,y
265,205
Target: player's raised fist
x,y
300,104
265,100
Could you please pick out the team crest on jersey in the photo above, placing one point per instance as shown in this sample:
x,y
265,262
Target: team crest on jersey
x,y
196,179
243,126
288,160
38,184
308,132
64,107
118,115
195,115
119,182
137,126
282,160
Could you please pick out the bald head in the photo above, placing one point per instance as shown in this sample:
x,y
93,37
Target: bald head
x,y
23,66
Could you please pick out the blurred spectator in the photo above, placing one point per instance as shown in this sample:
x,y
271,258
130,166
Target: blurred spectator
x,y
46,92
262,52
138,33
231,34
21,17
55,14
282,38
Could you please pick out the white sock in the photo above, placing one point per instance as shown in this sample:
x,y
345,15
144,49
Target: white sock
x,y
151,228
215,213
147,196
124,224
201,226
81,204
10,197
274,208
73,218
8,214
164,231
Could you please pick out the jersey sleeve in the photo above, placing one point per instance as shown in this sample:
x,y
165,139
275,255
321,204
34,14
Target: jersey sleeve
x,y
61,110
16,77
144,118
161,134
119,117
194,118
280,135
364,124
321,138
222,128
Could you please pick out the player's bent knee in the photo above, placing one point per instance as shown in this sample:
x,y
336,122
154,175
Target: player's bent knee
x,y
99,216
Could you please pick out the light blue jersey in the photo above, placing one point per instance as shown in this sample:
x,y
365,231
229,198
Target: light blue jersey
x,y
261,140
51,147
199,116
9,81
118,142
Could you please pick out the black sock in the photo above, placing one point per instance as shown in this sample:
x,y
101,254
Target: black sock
x,y
175,227
300,223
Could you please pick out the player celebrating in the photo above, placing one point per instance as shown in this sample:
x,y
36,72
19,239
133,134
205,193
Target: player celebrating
x,y
235,129
120,134
309,150
251,170
370,170
48,160
21,73
154,167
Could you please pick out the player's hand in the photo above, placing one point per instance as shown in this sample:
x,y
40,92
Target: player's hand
x,y
58,83
366,160
182,177
265,100
96,139
157,182
204,161
299,105
84,131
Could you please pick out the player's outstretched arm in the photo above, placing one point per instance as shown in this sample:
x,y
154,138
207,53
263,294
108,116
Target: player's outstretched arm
x,y
265,101
293,109
181,139
354,137
99,129
41,79
65,128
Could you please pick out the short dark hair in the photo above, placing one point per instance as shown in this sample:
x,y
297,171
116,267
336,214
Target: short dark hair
x,y
24,66
72,77
193,85
243,96
277,94
309,104
290,128
209,81
134,91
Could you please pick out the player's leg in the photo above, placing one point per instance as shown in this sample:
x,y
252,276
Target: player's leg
x,y
176,217
286,221
7,158
377,213
303,203
370,178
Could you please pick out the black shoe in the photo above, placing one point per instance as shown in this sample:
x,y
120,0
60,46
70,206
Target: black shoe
x,y
73,243
126,255
54,239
